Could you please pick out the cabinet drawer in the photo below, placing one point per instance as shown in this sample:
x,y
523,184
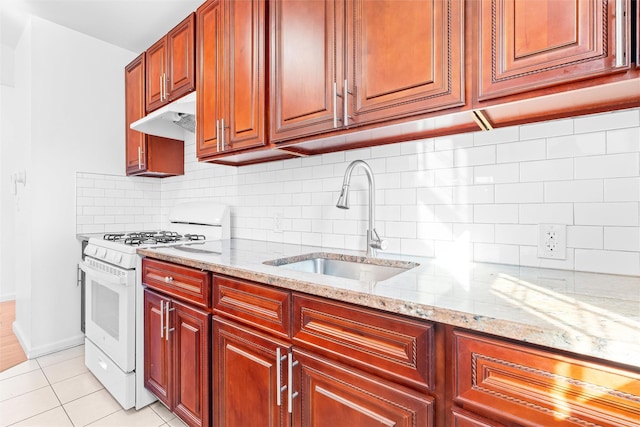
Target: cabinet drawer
x,y
392,347
535,387
257,305
185,283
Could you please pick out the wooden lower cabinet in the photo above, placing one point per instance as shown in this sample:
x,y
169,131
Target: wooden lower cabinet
x,y
177,356
245,377
466,419
332,394
526,386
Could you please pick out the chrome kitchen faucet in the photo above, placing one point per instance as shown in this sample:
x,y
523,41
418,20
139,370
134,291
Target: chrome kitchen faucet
x,y
373,239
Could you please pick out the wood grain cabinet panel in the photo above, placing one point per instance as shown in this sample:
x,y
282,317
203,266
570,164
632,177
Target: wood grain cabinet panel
x,y
260,306
331,394
231,78
177,353
404,57
388,346
527,45
531,387
342,63
188,284
146,155
245,381
171,65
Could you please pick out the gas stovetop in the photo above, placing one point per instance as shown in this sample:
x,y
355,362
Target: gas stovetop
x,y
150,238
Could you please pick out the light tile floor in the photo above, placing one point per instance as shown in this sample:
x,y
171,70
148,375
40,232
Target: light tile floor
x,y
58,390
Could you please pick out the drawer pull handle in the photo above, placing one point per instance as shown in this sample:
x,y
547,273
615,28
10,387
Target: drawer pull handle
x,y
168,279
291,394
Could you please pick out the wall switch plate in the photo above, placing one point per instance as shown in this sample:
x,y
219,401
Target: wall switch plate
x,y
552,241
277,222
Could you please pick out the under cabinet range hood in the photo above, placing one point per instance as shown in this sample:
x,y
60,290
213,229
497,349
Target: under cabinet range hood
x,y
170,120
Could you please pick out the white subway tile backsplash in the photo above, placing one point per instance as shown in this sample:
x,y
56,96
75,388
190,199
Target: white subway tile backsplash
x,y
496,214
608,166
574,191
477,233
613,262
614,214
546,213
497,136
623,140
622,238
478,196
496,174
546,129
622,190
519,193
474,156
546,170
585,237
521,151
491,252
589,144
473,194
514,234
606,121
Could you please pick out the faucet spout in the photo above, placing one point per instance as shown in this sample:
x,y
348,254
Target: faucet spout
x,y
374,241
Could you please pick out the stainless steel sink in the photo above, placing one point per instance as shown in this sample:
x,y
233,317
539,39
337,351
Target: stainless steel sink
x,y
345,266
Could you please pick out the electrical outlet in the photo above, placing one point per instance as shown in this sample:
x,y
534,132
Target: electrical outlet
x,y
277,222
552,241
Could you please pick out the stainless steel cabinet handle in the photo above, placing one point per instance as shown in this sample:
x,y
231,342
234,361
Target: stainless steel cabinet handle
x,y
217,135
345,100
161,318
279,386
139,157
222,130
335,105
161,86
166,322
164,80
291,394
168,279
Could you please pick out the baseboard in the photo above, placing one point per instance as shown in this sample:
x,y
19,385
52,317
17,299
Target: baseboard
x,y
7,297
33,352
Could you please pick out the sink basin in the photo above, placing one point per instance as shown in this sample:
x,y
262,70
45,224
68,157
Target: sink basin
x,y
345,266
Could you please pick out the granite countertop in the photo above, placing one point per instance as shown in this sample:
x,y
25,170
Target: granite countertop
x,y
586,313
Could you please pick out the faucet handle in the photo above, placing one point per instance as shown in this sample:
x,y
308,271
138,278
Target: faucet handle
x,y
377,242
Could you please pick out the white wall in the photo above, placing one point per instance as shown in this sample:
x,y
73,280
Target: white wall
x,y
73,89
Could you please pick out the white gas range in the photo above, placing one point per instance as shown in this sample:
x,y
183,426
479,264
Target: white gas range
x,y
114,344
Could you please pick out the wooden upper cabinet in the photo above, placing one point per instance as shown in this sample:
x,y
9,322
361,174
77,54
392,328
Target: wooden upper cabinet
x,y
146,155
404,57
528,45
306,66
230,106
337,63
134,80
171,65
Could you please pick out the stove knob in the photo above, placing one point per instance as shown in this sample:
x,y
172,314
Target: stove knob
x,y
117,258
90,250
102,253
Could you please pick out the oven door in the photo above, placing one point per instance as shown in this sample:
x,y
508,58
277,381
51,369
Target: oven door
x,y
110,310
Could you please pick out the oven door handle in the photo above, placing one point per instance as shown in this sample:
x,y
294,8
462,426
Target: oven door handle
x,y
103,277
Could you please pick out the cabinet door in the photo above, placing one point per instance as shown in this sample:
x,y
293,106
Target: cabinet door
x,y
527,45
244,118
330,394
156,64
134,78
404,58
181,59
190,338
245,378
157,349
209,84
306,67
